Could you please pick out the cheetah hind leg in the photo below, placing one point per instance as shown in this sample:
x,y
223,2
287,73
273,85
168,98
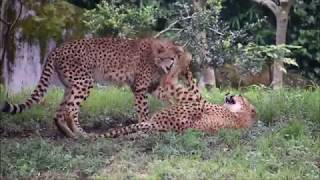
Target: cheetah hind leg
x,y
61,124
73,107
67,116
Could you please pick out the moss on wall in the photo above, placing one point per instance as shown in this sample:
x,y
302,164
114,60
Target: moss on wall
x,y
51,20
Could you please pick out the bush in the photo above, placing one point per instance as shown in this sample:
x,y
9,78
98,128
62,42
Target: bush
x,y
125,20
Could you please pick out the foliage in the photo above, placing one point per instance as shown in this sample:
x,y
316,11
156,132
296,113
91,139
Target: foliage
x,y
118,19
303,29
50,20
255,56
88,4
199,30
238,13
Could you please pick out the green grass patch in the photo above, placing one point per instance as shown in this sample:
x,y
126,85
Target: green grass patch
x,y
284,144
37,155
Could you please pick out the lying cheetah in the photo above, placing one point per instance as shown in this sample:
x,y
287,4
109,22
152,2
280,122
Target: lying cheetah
x,y
191,110
139,63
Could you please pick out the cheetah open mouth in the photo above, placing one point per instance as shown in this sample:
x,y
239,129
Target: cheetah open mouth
x,y
230,99
168,68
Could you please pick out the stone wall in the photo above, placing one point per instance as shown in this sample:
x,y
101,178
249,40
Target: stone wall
x,y
29,46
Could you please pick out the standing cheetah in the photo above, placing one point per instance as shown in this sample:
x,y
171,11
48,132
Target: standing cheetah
x,y
139,63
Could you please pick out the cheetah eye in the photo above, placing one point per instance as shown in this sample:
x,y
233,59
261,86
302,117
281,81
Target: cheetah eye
x,y
160,50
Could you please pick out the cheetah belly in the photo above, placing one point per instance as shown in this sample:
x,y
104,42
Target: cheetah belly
x,y
120,76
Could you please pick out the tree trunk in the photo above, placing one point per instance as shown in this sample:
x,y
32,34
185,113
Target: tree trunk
x,y
207,77
281,11
282,23
282,16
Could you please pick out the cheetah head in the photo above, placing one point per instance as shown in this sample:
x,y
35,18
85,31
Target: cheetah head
x,y
244,111
165,54
178,68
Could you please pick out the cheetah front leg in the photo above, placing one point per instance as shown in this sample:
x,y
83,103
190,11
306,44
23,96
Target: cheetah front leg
x,y
141,105
140,90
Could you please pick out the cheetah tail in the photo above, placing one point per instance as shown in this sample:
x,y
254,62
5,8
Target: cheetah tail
x,y
37,94
113,133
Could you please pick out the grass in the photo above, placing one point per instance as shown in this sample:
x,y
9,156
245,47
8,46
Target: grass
x,y
284,144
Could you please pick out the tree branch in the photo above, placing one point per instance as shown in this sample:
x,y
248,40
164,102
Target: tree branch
x,y
216,31
270,4
171,25
166,29
288,4
17,18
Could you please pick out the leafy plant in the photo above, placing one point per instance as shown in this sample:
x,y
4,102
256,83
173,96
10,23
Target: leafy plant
x,y
303,29
125,20
255,56
305,32
57,20
50,20
204,29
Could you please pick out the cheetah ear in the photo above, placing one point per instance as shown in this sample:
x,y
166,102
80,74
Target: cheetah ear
x,y
180,50
158,47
